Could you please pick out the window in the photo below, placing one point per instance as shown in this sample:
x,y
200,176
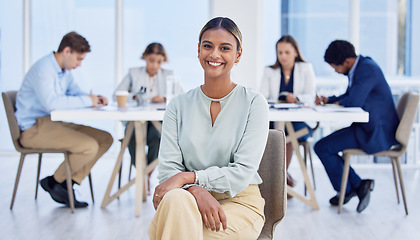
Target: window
x,y
175,24
315,24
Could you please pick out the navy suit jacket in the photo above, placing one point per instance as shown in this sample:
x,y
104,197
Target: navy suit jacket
x,y
370,91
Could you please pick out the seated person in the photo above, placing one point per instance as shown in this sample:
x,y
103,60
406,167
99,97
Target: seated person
x,y
290,79
49,85
213,140
152,78
369,90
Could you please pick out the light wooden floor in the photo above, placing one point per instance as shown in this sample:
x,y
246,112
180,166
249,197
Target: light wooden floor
x,y
45,219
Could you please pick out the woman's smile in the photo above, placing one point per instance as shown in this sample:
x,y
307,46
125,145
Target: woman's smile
x,y
214,64
218,53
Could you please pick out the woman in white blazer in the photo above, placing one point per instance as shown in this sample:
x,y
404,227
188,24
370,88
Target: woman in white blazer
x,y
290,79
150,79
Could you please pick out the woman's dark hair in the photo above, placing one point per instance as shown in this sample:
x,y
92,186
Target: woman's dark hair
x,y
155,48
225,23
338,51
291,40
75,41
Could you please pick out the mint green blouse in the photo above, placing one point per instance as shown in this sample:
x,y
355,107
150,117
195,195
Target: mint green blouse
x,y
226,155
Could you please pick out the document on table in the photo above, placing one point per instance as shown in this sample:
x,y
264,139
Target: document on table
x,y
285,105
337,108
99,107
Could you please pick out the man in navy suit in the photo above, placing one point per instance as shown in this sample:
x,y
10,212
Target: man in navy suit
x,y
369,90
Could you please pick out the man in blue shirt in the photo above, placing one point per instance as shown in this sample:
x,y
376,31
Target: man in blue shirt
x,y
49,85
369,90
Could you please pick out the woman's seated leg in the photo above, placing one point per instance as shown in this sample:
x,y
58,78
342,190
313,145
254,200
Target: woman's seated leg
x,y
177,217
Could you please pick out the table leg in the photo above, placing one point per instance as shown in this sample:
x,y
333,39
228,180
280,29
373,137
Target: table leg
x,y
108,198
140,131
292,137
140,134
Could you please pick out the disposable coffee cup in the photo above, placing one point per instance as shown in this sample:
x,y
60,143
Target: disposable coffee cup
x,y
121,98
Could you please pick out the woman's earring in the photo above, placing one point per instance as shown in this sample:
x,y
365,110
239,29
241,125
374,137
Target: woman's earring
x,y
236,64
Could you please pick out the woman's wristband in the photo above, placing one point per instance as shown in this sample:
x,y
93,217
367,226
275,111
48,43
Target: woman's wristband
x,y
195,177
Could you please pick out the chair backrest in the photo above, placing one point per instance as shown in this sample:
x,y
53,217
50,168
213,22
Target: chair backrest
x,y
273,189
406,109
9,100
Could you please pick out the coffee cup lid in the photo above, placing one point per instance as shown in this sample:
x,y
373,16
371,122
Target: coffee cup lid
x,y
121,93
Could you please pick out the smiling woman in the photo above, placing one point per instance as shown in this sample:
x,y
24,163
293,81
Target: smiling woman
x,y
209,182
218,51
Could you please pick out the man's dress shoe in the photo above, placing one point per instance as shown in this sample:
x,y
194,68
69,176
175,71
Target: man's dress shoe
x,y
363,192
334,200
59,194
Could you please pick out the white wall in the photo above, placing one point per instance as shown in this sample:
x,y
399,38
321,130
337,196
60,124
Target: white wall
x,y
248,15
271,30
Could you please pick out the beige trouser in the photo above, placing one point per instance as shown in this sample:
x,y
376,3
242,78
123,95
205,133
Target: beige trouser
x,y
85,144
178,217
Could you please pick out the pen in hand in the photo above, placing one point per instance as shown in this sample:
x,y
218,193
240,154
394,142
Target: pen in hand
x,y
318,99
97,99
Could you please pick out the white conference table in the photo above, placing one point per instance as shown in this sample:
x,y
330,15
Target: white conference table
x,y
137,117
155,112
331,112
